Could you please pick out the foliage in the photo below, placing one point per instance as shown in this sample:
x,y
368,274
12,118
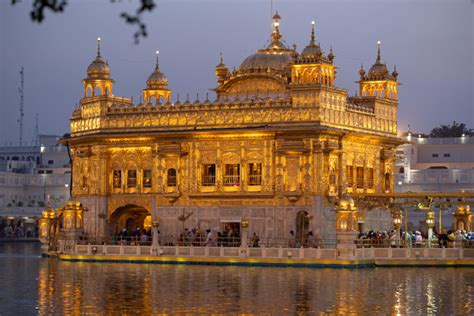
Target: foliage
x,y
39,7
454,130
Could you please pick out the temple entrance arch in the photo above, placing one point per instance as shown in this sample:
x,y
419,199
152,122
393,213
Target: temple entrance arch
x,y
130,217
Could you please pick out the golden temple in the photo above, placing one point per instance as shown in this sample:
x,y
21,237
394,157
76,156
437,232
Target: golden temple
x,y
277,143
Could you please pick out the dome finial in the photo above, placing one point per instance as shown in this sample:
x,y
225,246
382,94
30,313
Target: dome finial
x,y
378,51
312,42
157,59
222,58
276,31
98,46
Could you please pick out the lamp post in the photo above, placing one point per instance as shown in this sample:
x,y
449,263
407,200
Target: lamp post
x,y
430,222
397,223
244,224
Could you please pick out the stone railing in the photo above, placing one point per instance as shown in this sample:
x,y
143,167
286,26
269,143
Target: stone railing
x,y
415,253
222,252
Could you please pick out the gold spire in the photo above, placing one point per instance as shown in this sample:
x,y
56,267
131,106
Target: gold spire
x,y
157,60
276,36
312,41
379,59
98,46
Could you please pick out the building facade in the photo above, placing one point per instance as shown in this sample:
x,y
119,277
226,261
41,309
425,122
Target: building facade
x,y
435,165
28,175
277,146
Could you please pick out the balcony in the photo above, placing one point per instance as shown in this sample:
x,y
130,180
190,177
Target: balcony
x,y
231,181
360,183
208,180
255,180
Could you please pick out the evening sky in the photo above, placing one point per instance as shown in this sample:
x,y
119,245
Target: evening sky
x,y
430,41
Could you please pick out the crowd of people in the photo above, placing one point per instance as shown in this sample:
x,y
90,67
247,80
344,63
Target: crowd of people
x,y
18,229
415,239
137,235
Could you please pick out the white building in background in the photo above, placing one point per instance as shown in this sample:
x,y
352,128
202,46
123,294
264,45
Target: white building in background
x,y
435,165
28,174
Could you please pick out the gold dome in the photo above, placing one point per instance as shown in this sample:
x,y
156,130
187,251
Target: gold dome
x,y
379,71
157,79
99,68
266,59
312,50
275,56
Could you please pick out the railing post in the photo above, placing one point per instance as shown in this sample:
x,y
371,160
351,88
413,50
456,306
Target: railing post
x,y
122,250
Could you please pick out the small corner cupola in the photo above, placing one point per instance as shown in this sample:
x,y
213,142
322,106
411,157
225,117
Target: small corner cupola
x,y
312,50
378,81
157,91
221,71
98,81
379,70
157,79
99,68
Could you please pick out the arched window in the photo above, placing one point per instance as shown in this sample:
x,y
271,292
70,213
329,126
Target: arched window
x,y
97,91
152,100
171,178
88,91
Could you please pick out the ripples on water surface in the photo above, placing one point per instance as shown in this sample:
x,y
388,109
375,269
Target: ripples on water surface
x,y
30,284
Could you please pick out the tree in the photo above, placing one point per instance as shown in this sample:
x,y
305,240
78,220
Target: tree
x,y
37,13
454,130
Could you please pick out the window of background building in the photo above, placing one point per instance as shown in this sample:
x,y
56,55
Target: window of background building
x,y
117,179
232,175
255,173
434,155
50,162
147,178
171,178
208,175
447,155
131,178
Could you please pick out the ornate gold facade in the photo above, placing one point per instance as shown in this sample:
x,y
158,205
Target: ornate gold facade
x,y
279,139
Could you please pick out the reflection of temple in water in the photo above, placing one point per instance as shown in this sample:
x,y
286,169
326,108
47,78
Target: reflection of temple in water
x,y
113,288
278,142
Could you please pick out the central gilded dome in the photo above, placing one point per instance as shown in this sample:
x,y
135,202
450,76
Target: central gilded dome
x,y
275,56
267,59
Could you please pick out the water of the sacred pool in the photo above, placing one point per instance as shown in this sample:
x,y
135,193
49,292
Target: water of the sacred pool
x,y
30,284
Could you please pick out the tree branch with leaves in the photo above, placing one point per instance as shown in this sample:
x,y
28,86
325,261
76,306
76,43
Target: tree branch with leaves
x,y
39,7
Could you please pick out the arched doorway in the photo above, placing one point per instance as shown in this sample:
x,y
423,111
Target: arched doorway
x,y
302,225
130,217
